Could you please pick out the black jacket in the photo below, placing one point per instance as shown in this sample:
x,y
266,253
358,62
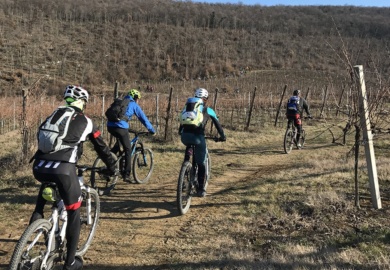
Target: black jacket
x,y
81,129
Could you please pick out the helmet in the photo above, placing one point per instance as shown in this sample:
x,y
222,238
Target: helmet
x,y
76,92
201,93
296,92
134,93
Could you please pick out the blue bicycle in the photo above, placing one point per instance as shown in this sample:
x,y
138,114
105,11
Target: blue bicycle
x,y
142,164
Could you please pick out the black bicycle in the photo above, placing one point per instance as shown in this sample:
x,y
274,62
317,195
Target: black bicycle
x,y
187,184
142,165
43,243
290,137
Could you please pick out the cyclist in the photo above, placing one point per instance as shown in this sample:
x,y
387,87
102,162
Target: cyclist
x,y
295,106
196,136
59,166
120,129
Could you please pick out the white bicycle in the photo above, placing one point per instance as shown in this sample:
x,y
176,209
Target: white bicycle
x,y
43,243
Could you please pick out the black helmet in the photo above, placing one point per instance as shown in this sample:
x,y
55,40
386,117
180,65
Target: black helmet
x,y
296,92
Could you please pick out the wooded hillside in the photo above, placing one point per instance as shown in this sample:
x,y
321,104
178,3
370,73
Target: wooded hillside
x,y
95,42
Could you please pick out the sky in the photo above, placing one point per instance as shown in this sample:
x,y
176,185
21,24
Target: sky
x,y
361,3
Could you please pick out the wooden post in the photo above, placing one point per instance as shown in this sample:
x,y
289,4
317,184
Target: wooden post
x,y
280,105
214,107
116,89
168,115
157,109
324,102
250,109
367,139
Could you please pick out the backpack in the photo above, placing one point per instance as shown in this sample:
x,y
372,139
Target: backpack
x,y
192,114
293,104
54,130
117,110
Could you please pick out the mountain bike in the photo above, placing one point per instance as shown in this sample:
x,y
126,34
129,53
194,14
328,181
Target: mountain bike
x,y
43,243
142,164
290,137
187,184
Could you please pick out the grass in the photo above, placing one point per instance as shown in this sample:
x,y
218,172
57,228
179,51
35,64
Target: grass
x,y
268,210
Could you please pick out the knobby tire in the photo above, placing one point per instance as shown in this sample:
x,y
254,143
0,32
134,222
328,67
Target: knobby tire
x,y
142,169
87,231
184,188
288,141
99,181
23,259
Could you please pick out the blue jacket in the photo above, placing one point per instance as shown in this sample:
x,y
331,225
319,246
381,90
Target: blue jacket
x,y
133,109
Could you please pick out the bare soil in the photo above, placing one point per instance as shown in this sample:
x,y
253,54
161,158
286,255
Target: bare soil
x,y
140,227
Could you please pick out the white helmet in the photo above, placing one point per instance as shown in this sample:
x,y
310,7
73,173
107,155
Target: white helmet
x,y
201,93
76,92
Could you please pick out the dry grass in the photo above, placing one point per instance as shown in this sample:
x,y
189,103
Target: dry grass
x,y
265,210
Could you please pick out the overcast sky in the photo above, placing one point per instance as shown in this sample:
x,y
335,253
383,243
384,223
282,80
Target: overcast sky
x,y
363,3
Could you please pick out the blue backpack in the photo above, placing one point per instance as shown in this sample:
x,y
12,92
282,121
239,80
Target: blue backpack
x,y
293,104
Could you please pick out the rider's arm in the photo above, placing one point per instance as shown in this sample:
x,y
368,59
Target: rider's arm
x,y
142,117
216,122
101,148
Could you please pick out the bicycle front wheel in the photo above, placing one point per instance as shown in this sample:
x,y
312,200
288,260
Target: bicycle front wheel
x,y
184,188
31,247
89,217
288,141
143,165
103,183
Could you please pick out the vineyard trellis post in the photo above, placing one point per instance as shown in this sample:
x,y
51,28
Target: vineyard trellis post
x,y
214,107
168,116
280,104
250,109
324,102
368,139
25,129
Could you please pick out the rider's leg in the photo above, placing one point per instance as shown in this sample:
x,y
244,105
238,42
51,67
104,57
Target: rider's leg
x,y
124,139
200,156
298,124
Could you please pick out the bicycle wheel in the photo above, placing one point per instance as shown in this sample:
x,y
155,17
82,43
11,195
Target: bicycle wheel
x,y
89,218
208,171
143,165
288,141
31,246
184,188
302,138
102,183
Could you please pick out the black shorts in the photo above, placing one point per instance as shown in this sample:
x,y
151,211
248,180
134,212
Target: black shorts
x,y
64,175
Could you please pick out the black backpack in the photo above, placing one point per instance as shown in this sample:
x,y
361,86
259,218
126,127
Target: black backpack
x,y
117,110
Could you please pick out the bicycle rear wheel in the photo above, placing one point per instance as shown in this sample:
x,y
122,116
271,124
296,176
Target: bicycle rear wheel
x,y
31,246
208,171
143,165
184,188
89,218
103,183
288,141
302,138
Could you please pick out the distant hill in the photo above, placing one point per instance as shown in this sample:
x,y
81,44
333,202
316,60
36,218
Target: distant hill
x,y
96,43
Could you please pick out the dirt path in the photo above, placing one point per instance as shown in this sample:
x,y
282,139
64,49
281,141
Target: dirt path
x,y
140,227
